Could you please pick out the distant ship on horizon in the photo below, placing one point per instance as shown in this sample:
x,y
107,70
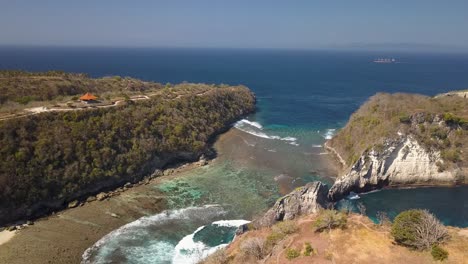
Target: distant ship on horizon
x,y
385,60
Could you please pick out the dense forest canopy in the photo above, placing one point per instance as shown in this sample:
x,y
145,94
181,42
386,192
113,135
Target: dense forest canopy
x,y
57,155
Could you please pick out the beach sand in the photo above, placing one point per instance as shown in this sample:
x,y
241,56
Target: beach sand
x,y
5,236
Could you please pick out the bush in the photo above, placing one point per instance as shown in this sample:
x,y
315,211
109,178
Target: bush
x,y
308,250
418,229
330,219
273,239
254,247
285,227
439,253
292,253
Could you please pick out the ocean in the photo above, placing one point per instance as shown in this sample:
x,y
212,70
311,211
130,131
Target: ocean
x,y
304,97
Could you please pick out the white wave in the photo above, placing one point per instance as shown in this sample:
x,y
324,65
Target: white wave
x,y
329,133
187,251
252,123
316,146
353,196
98,252
256,129
378,190
235,223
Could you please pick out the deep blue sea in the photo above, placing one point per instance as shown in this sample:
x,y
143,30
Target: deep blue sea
x,y
303,98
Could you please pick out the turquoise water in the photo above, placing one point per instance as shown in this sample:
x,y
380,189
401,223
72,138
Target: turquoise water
x,y
303,97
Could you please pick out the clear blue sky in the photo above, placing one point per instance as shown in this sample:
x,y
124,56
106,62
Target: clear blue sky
x,y
292,24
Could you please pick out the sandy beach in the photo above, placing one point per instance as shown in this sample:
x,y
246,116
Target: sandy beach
x,y
5,236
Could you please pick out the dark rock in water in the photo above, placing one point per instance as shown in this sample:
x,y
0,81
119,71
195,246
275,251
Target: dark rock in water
x,y
91,199
242,229
304,200
73,204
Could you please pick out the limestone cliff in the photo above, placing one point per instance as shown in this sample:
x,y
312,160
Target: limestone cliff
x,y
403,162
402,140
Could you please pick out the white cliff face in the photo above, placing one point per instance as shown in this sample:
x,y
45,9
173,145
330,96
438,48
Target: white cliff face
x,y
403,162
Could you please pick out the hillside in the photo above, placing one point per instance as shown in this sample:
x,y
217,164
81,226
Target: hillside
x,y
400,139
301,228
20,87
361,241
52,158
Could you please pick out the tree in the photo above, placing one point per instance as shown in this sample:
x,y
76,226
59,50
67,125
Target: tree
x,y
418,229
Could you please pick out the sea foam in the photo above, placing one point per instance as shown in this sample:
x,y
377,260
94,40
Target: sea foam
x,y
188,251
256,129
157,251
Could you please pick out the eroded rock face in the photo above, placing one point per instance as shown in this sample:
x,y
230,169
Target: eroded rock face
x,y
304,200
402,162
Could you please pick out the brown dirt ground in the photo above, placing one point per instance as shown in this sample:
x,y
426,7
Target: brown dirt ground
x,y
361,242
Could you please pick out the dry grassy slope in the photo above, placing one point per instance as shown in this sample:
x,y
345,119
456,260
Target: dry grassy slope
x,y
439,123
361,242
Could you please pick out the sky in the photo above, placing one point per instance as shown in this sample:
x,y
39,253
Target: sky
x,y
286,24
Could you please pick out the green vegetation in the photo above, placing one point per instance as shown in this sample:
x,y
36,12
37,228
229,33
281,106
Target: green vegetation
x,y
308,250
23,87
439,253
58,156
418,229
330,219
292,253
438,124
279,231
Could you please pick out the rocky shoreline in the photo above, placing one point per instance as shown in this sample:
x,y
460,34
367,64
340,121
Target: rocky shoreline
x,y
63,236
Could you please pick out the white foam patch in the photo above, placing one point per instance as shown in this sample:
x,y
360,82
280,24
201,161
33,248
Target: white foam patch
x,y
187,251
316,146
329,133
234,223
256,129
103,248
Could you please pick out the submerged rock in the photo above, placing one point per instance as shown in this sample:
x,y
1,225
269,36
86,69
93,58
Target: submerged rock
x,y
304,200
73,204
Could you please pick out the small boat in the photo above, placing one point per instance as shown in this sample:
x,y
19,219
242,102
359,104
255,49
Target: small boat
x,y
385,60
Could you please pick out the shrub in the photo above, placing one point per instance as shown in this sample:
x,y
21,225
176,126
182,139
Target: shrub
x,y
439,253
330,219
273,239
286,227
254,247
418,229
405,119
308,250
292,253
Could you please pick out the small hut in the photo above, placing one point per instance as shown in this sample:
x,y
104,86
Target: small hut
x,y
88,98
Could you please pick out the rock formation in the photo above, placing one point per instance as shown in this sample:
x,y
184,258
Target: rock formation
x,y
304,200
403,162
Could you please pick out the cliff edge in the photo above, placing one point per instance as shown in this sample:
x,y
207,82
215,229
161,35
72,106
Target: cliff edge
x,y
402,140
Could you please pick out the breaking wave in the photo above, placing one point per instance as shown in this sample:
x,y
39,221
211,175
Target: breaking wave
x,y
256,129
138,242
205,241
